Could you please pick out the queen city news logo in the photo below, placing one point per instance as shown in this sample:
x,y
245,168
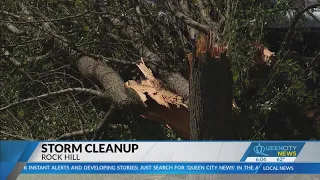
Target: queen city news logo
x,y
275,150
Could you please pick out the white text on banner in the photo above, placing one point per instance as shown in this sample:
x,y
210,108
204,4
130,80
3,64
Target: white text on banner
x,y
270,159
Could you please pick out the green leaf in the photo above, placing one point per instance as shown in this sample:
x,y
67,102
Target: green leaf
x,y
86,28
78,2
298,85
235,76
314,75
21,113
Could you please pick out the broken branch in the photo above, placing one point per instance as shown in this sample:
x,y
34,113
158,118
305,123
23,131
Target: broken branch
x,y
75,134
90,91
289,35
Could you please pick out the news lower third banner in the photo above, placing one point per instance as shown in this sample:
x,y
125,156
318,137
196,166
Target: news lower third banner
x,y
135,157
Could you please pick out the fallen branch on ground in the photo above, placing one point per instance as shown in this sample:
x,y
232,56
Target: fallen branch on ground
x,y
14,136
74,134
90,91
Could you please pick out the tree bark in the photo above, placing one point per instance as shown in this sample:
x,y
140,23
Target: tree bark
x,y
175,81
210,98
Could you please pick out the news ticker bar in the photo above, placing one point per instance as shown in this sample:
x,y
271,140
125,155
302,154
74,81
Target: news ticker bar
x,y
171,168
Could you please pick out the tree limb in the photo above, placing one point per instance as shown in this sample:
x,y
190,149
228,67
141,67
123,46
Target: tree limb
x,y
185,9
39,58
14,29
107,60
175,81
50,20
114,89
103,125
289,35
14,136
10,14
74,134
189,21
81,133
204,15
23,43
7,55
90,91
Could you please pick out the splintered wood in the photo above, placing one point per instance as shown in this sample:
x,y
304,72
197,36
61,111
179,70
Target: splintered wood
x,y
204,44
163,106
264,55
153,88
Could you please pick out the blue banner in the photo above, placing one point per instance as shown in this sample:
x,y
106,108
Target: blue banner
x,y
158,157
172,168
12,152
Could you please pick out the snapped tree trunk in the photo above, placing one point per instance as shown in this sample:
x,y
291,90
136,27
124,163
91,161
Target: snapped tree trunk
x,y
210,94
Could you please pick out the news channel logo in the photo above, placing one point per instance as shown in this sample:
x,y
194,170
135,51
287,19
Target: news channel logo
x,y
279,149
260,150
